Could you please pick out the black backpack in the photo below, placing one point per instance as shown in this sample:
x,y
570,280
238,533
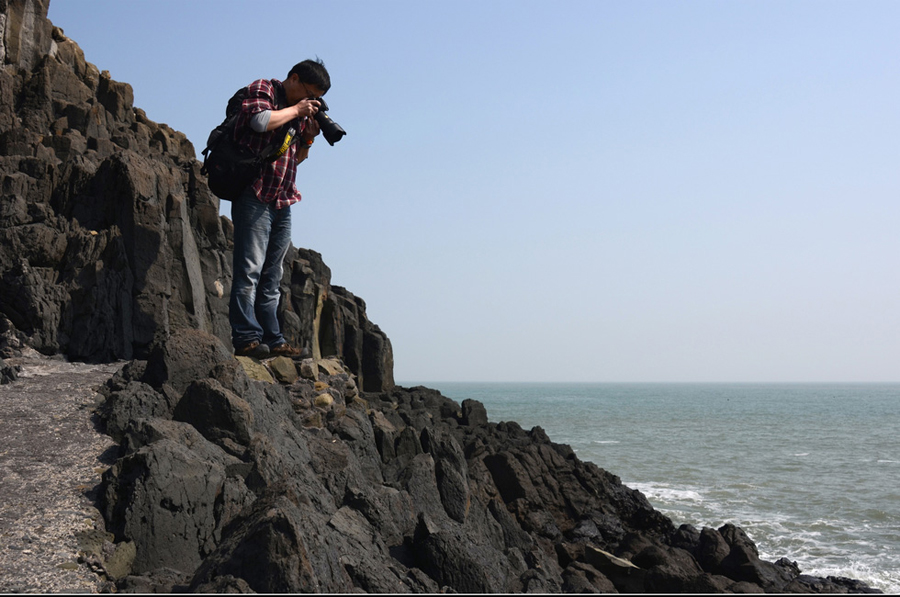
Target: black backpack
x,y
230,167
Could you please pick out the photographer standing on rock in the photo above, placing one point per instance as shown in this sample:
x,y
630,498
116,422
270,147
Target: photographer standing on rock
x,y
261,215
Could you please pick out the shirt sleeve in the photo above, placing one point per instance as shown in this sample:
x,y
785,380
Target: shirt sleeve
x,y
260,120
260,97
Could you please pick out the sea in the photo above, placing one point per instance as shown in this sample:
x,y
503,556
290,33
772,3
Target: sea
x,y
810,471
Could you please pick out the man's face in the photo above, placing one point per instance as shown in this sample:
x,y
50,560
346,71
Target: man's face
x,y
298,91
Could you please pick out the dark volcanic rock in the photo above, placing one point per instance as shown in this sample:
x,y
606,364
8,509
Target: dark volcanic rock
x,y
8,373
109,236
172,500
240,487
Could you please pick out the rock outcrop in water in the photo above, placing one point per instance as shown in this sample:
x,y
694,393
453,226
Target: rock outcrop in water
x,y
326,477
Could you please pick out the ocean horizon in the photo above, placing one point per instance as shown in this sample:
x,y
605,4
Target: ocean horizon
x,y
807,469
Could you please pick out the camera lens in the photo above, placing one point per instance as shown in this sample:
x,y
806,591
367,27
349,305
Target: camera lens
x,y
331,130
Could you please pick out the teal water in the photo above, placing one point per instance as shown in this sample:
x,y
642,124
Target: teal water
x,y
810,471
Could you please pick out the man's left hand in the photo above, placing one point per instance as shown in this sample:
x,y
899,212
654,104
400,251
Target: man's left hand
x,y
310,130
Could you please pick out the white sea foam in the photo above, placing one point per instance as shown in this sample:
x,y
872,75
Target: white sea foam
x,y
667,494
607,441
883,577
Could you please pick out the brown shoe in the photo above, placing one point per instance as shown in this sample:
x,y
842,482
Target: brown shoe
x,y
286,350
253,349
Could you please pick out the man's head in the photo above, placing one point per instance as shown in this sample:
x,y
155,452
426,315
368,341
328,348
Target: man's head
x,y
307,80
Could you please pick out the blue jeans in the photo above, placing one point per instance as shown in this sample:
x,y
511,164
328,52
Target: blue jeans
x,y
262,235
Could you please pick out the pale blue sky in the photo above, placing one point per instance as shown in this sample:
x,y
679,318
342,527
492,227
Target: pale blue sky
x,y
574,191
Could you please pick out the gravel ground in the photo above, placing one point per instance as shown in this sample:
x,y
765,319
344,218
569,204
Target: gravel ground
x,y
51,459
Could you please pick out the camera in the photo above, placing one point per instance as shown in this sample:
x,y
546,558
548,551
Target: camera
x,y
331,130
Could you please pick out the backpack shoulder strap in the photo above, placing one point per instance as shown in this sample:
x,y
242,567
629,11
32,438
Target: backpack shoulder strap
x,y
227,126
234,104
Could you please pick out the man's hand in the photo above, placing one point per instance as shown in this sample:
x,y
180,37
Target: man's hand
x,y
307,107
310,130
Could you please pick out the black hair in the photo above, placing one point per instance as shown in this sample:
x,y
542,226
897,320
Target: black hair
x,y
312,72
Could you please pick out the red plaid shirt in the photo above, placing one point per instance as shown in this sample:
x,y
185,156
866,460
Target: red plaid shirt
x,y
277,180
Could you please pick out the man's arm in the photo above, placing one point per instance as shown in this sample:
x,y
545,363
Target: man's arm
x,y
302,108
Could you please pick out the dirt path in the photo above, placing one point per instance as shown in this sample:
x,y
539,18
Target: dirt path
x,y
51,458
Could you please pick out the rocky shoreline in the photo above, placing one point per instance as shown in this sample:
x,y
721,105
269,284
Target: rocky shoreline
x,y
282,476
229,474
308,485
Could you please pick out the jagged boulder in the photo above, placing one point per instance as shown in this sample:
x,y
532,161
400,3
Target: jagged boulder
x,y
333,322
8,373
172,497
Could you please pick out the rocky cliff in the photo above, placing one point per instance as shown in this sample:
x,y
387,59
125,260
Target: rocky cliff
x,y
317,475
109,237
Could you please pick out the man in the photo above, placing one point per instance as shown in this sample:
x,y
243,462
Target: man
x,y
261,215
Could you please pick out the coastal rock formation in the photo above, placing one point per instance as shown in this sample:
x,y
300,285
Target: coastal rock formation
x,y
320,475
313,486
109,236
